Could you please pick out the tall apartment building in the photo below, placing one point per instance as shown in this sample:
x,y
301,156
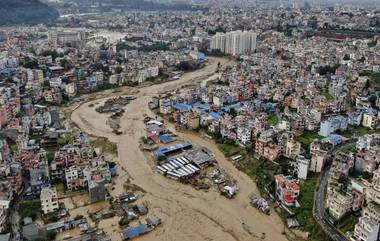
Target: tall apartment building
x,y
302,165
73,38
234,43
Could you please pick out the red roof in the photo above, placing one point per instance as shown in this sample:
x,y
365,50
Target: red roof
x,y
289,199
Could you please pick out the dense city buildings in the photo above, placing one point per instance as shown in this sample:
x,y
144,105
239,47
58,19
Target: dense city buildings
x,y
116,120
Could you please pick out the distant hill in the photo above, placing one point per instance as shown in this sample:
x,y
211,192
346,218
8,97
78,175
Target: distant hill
x,y
26,12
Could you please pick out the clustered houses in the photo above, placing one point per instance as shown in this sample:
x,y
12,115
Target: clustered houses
x,y
30,134
347,193
293,85
244,109
56,71
268,109
24,169
79,166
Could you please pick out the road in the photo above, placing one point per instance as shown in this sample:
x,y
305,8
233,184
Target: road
x,y
187,214
319,211
14,220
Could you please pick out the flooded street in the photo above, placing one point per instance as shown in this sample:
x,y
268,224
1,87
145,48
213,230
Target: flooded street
x,y
187,214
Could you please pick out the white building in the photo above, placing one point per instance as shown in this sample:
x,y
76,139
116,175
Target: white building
x,y
66,37
302,167
372,210
113,79
338,203
284,125
72,178
373,192
49,200
370,120
71,89
333,124
243,134
150,72
366,230
234,43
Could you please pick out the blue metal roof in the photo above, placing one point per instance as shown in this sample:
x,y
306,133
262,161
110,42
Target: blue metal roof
x,y
215,115
136,231
166,138
168,150
181,106
335,138
200,106
8,70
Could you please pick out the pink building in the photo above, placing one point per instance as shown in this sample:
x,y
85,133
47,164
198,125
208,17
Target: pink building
x,y
271,152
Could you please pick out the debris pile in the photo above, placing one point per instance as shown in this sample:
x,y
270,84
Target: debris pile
x,y
199,185
226,185
261,204
102,214
114,105
227,190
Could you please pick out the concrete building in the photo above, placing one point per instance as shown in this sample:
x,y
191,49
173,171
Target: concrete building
x,y
373,193
96,191
338,203
333,124
286,190
358,194
147,73
243,134
370,120
234,43
366,230
318,160
302,167
49,200
192,120
293,149
72,178
73,38
372,210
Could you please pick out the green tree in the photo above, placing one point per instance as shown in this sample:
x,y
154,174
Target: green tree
x,y
53,53
30,63
78,217
118,69
233,112
372,99
65,63
51,235
66,139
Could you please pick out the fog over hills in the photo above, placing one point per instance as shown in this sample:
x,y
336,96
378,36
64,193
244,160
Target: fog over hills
x,y
26,12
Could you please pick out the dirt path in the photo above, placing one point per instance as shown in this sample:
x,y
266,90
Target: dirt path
x,y
187,214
